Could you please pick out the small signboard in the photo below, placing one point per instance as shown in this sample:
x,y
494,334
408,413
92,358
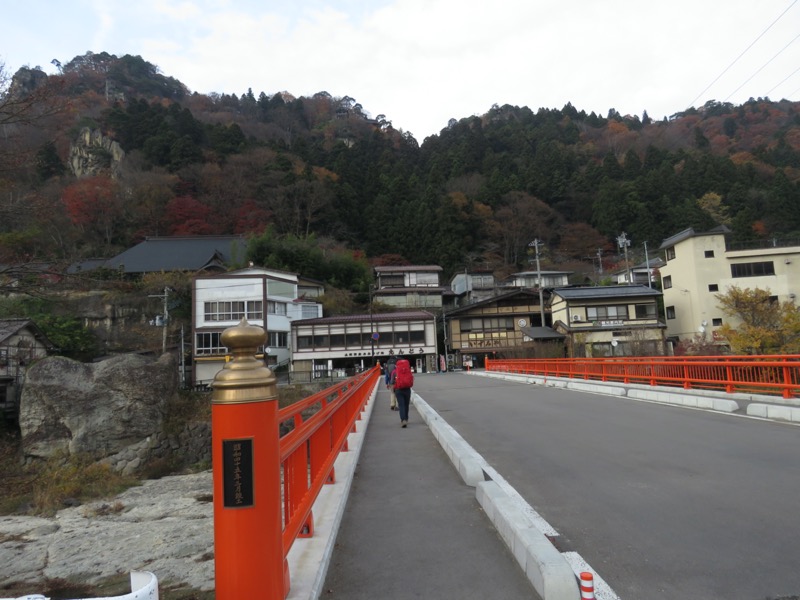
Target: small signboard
x,y
237,473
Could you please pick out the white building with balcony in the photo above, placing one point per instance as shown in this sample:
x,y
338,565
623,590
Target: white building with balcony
x,y
265,297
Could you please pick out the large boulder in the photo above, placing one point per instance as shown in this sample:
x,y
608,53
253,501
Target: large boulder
x,y
99,409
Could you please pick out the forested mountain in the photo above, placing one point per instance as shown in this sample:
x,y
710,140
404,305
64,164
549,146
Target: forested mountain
x,y
320,168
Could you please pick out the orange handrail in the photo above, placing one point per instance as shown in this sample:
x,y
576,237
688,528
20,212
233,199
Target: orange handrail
x,y
774,374
308,452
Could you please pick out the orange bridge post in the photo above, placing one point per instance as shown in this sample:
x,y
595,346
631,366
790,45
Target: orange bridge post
x,y
248,551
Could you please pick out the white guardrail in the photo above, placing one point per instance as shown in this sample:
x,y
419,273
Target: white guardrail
x,y
144,586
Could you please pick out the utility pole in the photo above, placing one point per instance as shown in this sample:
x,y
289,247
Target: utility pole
x,y
371,326
165,318
624,243
647,262
183,363
535,245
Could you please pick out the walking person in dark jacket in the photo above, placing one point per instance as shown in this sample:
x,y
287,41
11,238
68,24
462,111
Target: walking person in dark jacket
x,y
388,369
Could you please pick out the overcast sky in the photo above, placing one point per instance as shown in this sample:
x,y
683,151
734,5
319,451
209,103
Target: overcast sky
x,y
422,62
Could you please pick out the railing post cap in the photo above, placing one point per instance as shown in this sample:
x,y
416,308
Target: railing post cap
x,y
245,378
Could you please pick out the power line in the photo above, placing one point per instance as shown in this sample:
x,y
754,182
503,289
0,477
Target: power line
x,y
784,81
742,54
764,65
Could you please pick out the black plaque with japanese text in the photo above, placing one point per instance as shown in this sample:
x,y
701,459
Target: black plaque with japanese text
x,y
237,473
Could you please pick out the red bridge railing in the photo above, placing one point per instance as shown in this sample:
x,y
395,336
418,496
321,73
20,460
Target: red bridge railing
x,y
265,484
751,374
321,424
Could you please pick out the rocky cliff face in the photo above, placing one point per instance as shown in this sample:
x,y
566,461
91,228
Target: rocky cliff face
x,y
25,81
112,410
93,153
164,526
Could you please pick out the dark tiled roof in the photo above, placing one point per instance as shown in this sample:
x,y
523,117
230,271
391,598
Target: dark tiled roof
x,y
375,317
605,291
536,273
407,268
533,295
420,289
85,266
542,333
194,253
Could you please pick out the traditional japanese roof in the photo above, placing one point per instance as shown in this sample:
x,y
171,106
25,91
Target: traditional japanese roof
x,y
10,327
542,333
190,253
421,289
533,295
407,268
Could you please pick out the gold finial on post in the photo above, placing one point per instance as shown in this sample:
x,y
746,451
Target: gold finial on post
x,y
245,378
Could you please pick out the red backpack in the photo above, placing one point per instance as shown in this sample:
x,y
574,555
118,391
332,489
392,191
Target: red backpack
x,y
403,377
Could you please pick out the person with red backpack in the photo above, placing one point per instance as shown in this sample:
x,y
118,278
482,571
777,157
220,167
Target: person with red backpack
x,y
402,379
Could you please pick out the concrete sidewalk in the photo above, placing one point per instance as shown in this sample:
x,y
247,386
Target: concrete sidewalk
x,y
412,528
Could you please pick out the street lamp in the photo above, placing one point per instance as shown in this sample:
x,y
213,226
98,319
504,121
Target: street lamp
x,y
535,245
624,243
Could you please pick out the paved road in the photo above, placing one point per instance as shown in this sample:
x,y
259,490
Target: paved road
x,y
663,502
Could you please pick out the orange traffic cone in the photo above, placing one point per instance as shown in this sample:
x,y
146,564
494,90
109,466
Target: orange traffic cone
x,y
587,586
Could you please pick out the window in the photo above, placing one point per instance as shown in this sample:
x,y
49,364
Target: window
x,y
209,343
645,311
417,337
278,339
224,311
716,322
595,313
233,311
488,324
255,309
670,252
709,254
754,269
482,282
667,282
424,279
353,339
305,342
713,287
670,312
392,281
276,308
309,311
